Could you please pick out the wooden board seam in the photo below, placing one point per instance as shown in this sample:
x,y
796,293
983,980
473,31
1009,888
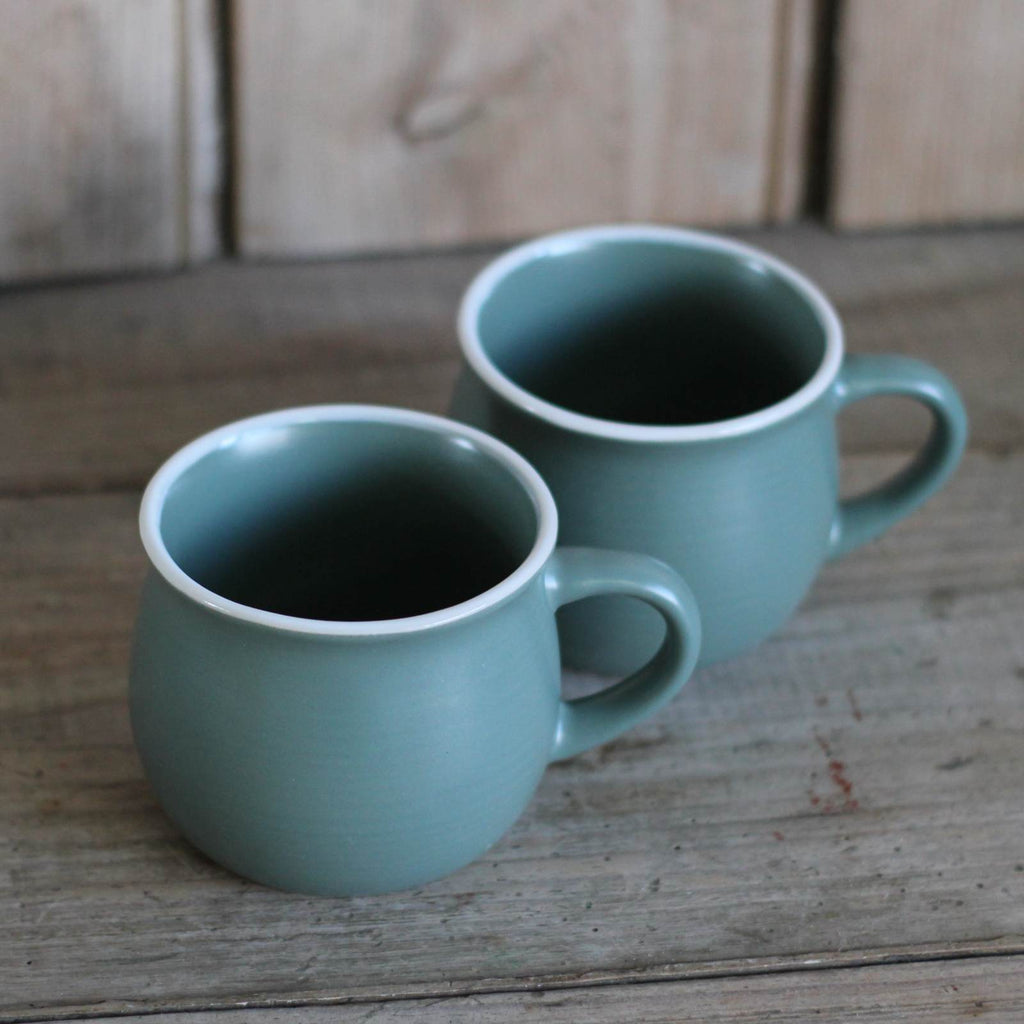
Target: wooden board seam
x,y
847,960
775,142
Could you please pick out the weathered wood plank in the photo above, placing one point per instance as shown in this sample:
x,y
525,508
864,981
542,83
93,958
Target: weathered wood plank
x,y
140,367
852,787
929,116
445,122
104,108
953,298
944,992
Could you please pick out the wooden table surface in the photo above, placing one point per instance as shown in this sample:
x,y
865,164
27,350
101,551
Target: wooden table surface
x,y
830,828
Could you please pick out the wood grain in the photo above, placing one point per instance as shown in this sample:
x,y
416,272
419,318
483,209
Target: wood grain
x,y
929,115
851,790
104,113
944,992
102,382
444,122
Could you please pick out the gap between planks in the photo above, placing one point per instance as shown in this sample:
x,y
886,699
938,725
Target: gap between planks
x,y
662,974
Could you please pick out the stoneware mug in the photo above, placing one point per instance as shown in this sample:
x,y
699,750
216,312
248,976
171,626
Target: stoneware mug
x,y
678,392
345,676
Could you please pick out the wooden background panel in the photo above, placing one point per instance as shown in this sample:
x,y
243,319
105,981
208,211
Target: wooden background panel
x,y
929,115
940,992
438,122
103,105
848,792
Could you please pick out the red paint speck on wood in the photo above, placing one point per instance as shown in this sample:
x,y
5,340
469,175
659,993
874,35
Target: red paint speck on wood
x,y
854,706
837,774
836,771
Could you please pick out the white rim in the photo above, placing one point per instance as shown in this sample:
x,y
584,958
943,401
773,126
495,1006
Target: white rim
x,y
156,493
485,282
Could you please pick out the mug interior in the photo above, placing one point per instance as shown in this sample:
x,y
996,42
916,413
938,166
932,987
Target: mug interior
x,y
347,521
651,331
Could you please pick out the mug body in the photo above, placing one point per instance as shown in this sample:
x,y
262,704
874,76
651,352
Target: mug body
x,y
746,520
675,391
305,747
339,766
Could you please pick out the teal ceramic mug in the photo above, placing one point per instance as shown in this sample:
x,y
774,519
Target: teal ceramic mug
x,y
345,676
678,392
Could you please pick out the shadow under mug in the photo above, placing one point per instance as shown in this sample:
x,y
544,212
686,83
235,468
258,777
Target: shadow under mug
x,y
678,392
345,676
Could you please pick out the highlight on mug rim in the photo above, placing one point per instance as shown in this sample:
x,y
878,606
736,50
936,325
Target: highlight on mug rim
x,y
226,436
485,283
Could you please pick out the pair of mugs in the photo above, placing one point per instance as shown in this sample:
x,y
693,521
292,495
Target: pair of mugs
x,y
346,673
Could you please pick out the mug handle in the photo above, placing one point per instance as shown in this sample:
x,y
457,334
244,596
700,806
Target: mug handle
x,y
863,518
575,573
